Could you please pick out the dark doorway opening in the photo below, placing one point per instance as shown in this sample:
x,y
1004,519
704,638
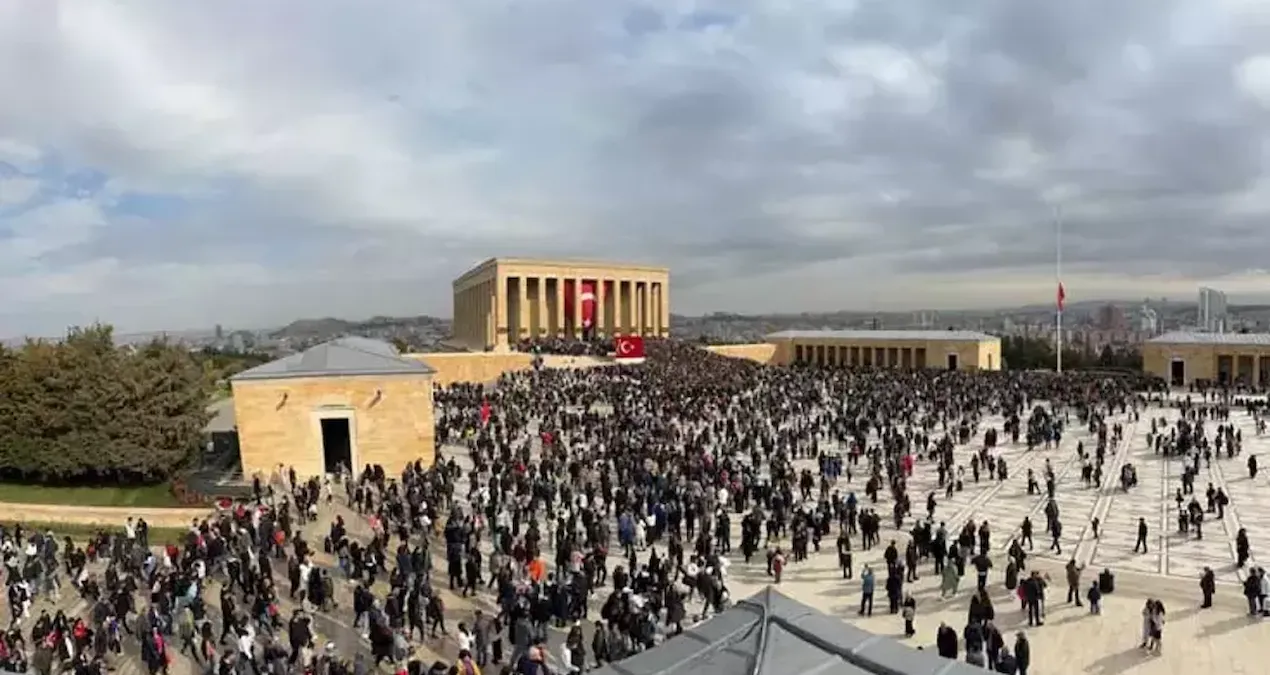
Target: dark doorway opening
x,y
952,362
1177,373
337,445
1225,365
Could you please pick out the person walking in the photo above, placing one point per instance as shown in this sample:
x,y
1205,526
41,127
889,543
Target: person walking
x,y
1142,536
1207,586
1022,653
909,611
866,591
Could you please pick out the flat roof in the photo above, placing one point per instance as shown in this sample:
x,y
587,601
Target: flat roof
x,y
929,335
559,262
1182,337
347,356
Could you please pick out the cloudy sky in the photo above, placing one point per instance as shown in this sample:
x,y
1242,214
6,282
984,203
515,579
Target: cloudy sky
x,y
179,163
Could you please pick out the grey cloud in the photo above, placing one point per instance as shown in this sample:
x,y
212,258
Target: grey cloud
x,y
619,132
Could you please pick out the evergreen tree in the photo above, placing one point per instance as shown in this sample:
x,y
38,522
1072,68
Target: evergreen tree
x,y
85,411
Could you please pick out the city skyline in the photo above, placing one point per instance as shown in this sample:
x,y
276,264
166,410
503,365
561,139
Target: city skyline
x,y
1133,316
170,166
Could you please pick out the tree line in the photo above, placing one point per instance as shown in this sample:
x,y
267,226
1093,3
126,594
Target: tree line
x,y
1033,353
84,410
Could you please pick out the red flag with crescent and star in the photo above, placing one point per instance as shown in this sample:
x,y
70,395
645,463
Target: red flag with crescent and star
x,y
485,412
628,348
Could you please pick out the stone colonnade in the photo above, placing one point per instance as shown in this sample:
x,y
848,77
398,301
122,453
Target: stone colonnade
x,y
914,351
1234,358
859,356
504,301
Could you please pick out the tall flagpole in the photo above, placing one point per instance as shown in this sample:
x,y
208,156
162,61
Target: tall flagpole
x,y
1058,273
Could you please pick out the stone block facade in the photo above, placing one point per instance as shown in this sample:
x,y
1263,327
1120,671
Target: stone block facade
x,y
279,421
1181,364
898,352
480,367
504,300
762,352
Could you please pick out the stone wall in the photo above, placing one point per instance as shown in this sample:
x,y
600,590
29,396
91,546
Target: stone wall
x,y
279,421
971,354
763,352
473,366
1200,361
112,517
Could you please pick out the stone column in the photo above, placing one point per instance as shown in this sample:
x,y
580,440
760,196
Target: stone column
x,y
601,325
665,307
637,306
560,322
456,320
654,309
619,324
502,328
482,316
658,326
491,310
647,327
469,317
522,306
473,315
463,315
544,321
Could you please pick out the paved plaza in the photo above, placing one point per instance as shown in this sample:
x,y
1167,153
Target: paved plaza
x,y
1221,639
1004,504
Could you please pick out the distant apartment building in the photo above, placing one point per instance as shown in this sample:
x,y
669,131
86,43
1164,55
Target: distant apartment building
x,y
1110,318
1212,311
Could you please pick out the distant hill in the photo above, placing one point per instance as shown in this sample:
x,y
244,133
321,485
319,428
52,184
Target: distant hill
x,y
319,329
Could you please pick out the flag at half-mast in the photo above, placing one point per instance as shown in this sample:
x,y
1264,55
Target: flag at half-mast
x,y
1062,296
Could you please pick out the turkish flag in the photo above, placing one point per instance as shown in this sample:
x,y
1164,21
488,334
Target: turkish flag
x,y
485,413
628,348
586,300
1062,296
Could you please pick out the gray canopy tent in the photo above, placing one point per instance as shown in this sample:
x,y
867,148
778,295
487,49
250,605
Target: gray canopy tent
x,y
770,633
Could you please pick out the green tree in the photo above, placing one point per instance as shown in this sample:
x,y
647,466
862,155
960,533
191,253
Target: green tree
x,y
83,410
1034,353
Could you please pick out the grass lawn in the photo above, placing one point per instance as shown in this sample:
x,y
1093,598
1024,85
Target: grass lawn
x,y
150,495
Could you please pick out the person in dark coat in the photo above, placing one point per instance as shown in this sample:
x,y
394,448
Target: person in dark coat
x,y
1022,653
946,642
1006,663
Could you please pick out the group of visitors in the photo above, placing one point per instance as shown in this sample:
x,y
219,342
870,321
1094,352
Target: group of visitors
x,y
586,515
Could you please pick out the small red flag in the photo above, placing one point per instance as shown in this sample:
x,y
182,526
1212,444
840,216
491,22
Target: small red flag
x,y
485,412
1062,296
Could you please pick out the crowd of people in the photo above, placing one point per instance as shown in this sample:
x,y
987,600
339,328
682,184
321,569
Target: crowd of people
x,y
561,347
599,505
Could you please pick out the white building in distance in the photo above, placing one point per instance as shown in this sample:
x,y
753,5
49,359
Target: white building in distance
x,y
1212,311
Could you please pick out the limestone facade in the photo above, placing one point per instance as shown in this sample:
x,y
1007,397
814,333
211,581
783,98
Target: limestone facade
x,y
1221,358
479,367
951,350
279,421
504,300
762,352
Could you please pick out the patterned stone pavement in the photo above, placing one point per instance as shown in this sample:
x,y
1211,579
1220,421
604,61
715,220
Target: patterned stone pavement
x,y
1169,553
1218,640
